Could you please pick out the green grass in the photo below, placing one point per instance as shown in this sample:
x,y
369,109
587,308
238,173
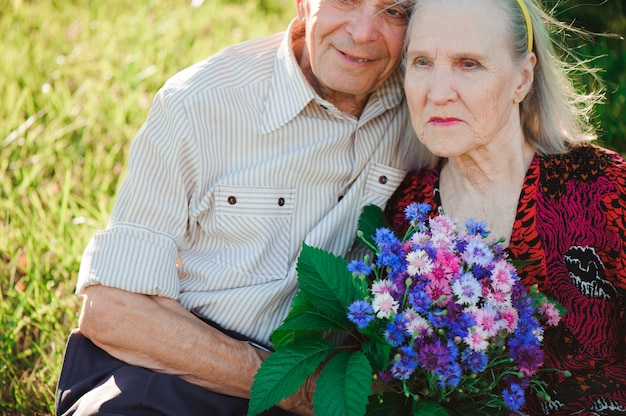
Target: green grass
x,y
76,82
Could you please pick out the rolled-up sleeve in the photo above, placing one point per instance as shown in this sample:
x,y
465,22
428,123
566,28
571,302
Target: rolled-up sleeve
x,y
138,250
132,259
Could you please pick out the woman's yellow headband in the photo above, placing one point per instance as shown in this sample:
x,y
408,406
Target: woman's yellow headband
x,y
529,25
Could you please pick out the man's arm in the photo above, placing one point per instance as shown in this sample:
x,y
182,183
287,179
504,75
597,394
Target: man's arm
x,y
159,334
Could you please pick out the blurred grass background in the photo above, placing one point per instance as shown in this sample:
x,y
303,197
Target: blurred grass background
x,y
76,82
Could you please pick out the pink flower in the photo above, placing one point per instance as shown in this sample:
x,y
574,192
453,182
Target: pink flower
x,y
502,276
498,300
551,313
510,315
442,226
487,321
476,340
437,288
449,262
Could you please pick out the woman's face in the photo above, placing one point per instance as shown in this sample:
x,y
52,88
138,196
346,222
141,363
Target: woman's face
x,y
462,85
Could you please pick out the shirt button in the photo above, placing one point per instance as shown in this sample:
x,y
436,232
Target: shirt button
x,y
232,200
382,179
281,202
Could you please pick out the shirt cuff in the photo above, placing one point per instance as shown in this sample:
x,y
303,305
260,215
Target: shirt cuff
x,y
133,259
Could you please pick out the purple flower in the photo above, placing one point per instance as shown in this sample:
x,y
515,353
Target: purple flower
x,y
360,313
433,356
513,397
359,267
528,357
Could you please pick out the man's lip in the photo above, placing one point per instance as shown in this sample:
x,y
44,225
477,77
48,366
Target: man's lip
x,y
354,58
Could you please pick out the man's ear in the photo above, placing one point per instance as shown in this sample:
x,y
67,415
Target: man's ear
x,y
527,72
300,9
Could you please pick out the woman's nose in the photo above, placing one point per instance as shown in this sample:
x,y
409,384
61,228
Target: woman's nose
x,y
441,86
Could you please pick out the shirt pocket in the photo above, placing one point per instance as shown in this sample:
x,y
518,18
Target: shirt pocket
x,y
254,228
382,182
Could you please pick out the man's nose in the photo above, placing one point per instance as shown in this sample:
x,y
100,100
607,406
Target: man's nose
x,y
364,23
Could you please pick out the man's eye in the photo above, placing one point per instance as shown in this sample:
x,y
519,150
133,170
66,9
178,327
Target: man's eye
x,y
397,12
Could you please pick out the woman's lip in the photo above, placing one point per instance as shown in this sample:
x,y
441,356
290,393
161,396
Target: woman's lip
x,y
443,120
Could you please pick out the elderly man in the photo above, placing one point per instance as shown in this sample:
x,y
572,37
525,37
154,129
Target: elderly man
x,y
243,157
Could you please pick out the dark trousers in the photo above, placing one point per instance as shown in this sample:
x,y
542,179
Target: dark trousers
x,y
92,382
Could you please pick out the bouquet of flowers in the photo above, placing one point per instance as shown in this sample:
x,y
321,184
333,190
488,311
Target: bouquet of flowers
x,y
438,323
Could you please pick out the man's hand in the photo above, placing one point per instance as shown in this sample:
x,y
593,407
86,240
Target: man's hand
x,y
301,402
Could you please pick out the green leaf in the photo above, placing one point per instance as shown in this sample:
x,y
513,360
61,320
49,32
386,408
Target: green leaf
x,y
282,337
428,409
313,319
284,371
305,324
377,354
299,304
325,281
344,385
371,219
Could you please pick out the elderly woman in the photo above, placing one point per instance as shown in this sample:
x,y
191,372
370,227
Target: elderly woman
x,y
490,99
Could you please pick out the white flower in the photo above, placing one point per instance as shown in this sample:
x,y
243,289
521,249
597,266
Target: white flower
x,y
384,305
418,263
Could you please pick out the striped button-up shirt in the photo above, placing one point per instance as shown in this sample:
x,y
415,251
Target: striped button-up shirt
x,y
238,164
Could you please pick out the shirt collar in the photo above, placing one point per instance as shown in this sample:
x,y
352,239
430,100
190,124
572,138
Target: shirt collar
x,y
290,92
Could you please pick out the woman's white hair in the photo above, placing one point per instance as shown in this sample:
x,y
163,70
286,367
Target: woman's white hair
x,y
554,115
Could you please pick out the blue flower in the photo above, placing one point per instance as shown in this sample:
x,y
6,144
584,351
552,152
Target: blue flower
x,y
477,227
406,363
395,331
360,313
419,299
474,361
359,267
416,212
450,374
513,397
386,238
477,252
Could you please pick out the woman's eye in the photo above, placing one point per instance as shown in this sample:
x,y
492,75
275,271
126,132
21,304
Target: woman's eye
x,y
469,64
421,62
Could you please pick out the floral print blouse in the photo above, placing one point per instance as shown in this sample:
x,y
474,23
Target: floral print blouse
x,y
570,230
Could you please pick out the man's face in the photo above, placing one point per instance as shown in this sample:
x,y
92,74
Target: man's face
x,y
352,46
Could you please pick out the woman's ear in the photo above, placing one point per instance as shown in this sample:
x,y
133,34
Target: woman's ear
x,y
527,77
